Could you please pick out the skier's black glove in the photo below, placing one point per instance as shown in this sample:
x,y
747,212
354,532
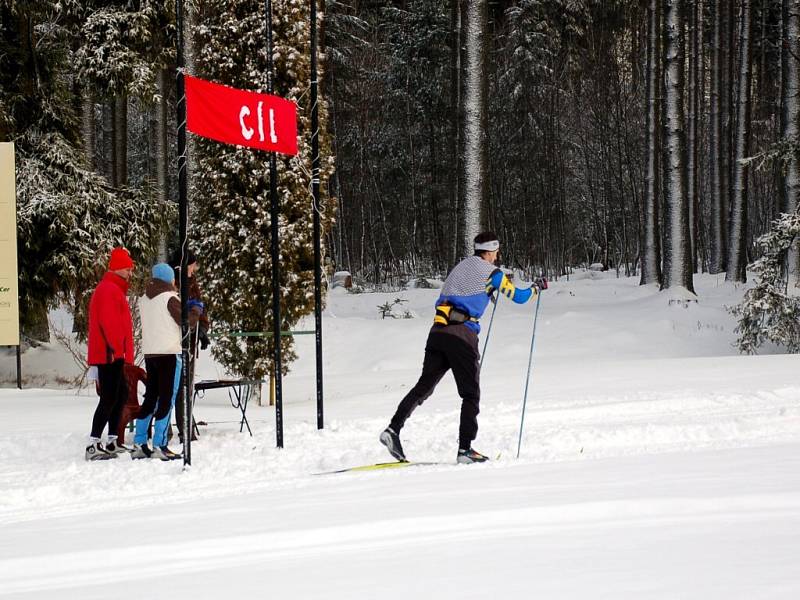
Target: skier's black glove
x,y
204,341
540,283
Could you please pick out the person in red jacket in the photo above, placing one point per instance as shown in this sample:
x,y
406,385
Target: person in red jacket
x,y
110,347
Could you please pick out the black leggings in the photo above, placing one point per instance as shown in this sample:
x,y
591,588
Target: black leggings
x,y
451,347
113,392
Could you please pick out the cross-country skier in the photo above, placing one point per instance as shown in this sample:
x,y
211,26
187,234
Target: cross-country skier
x,y
453,343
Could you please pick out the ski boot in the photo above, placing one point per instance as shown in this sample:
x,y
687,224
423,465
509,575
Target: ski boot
x,y
466,457
392,442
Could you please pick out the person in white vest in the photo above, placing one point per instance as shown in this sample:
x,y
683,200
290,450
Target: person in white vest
x,y
160,312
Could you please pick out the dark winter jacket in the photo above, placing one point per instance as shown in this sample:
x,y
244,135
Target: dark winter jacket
x,y
196,294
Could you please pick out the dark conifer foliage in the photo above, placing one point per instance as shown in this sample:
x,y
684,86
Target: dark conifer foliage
x,y
69,216
611,133
569,151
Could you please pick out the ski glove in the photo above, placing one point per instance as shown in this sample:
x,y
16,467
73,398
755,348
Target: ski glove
x,y
204,341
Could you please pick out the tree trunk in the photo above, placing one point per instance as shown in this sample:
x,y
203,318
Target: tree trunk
x,y
121,140
728,114
189,54
87,127
790,128
677,252
700,76
691,142
109,163
715,142
455,129
162,145
737,256
651,251
473,139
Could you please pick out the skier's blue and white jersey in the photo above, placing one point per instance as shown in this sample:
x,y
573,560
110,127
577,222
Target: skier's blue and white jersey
x,y
468,288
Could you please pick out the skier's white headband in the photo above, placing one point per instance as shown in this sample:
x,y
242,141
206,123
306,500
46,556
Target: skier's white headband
x,y
490,246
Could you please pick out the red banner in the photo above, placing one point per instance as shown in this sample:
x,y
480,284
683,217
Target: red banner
x,y
238,117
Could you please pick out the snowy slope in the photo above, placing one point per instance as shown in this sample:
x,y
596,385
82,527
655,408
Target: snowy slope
x,y
656,463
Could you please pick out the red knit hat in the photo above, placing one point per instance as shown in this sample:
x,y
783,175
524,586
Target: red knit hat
x,y
120,259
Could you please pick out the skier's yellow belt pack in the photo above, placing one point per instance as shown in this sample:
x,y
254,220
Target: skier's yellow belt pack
x,y
448,315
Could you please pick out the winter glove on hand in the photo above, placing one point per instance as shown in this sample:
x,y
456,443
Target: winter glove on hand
x,y
204,341
540,283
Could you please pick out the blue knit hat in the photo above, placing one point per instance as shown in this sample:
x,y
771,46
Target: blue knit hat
x,y
163,272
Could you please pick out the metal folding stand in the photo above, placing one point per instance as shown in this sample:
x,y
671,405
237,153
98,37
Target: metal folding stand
x,y
239,393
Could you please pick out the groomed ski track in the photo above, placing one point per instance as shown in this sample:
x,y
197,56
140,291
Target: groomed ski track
x,y
656,464
677,525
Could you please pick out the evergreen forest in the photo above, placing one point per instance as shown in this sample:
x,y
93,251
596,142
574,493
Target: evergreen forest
x,y
655,138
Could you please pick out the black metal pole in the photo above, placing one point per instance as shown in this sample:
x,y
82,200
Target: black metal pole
x,y
317,228
183,209
19,365
276,269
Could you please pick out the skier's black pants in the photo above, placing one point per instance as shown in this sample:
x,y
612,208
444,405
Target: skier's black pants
x,y
160,384
113,392
448,347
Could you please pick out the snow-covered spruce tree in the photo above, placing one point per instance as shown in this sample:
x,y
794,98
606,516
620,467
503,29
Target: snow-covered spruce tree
x,y
123,45
68,218
229,213
768,313
120,54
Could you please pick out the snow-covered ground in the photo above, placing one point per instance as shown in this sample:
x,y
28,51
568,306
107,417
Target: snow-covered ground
x,y
656,463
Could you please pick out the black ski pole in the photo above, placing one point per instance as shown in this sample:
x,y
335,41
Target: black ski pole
x,y
528,377
495,299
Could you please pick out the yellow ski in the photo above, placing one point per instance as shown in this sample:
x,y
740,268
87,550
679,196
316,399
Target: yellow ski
x,y
379,466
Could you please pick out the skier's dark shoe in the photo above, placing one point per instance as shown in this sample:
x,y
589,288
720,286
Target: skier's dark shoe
x,y
117,448
392,442
466,457
142,451
164,453
97,452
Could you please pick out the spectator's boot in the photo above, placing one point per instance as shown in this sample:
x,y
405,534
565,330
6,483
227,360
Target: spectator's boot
x,y
97,452
116,448
164,453
142,451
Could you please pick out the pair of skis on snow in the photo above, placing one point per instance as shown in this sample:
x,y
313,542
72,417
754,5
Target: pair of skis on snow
x,y
390,465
